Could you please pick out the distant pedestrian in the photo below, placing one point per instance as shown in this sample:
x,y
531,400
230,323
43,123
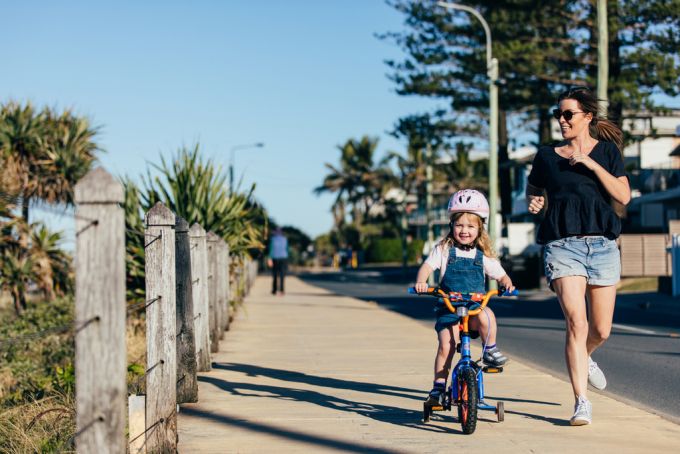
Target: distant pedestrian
x,y
278,260
582,177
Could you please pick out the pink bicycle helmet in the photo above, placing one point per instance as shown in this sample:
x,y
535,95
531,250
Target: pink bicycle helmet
x,y
469,201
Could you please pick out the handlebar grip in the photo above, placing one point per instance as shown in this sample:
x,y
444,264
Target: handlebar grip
x,y
412,291
505,292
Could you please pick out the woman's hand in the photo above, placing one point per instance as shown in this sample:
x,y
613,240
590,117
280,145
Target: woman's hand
x,y
536,203
578,157
506,282
421,287
270,263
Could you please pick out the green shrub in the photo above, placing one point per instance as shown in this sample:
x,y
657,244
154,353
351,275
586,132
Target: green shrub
x,y
34,368
383,250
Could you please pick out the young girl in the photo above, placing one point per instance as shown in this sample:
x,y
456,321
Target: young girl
x,y
464,258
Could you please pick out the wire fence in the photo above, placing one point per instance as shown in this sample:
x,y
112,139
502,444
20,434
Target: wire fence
x,y
163,245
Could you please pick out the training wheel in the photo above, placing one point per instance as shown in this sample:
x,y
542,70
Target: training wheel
x,y
500,412
427,412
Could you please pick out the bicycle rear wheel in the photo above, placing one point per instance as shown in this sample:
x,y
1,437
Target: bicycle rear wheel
x,y
467,396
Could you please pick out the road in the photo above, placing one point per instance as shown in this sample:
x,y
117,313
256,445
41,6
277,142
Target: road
x,y
641,359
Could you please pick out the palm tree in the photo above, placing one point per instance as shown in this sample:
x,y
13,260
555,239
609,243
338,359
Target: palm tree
x,y
53,272
17,270
22,133
44,152
357,181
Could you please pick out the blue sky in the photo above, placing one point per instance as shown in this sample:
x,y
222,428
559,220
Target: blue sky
x,y
300,76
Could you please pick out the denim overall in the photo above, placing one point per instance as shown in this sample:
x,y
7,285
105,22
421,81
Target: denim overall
x,y
462,275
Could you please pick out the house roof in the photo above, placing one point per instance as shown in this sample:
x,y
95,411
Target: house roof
x,y
656,197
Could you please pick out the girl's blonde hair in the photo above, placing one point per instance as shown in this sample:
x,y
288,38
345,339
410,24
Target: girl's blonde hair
x,y
482,242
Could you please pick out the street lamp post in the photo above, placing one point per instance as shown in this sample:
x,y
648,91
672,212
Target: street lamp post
x,y
231,160
492,71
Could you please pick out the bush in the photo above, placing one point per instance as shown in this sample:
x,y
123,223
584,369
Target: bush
x,y
37,367
383,250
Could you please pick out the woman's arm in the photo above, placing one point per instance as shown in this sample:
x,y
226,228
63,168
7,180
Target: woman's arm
x,y
617,187
535,198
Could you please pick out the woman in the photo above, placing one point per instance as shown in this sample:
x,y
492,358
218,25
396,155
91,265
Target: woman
x,y
582,176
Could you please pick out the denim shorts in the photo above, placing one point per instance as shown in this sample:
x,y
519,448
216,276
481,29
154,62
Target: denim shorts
x,y
597,258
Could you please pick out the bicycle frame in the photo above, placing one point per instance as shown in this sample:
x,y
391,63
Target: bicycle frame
x,y
461,377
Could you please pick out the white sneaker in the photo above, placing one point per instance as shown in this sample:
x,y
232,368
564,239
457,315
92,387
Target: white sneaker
x,y
595,375
583,412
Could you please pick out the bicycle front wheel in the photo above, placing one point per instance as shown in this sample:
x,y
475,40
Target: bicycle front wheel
x,y
467,395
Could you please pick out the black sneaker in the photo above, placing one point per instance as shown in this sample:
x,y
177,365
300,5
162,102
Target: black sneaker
x,y
494,357
435,396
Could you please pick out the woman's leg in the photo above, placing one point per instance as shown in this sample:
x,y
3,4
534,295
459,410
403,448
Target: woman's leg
x,y
600,314
571,295
442,362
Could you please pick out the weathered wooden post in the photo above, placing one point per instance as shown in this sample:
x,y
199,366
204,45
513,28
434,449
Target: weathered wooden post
x,y
161,329
101,391
199,276
187,386
223,284
212,240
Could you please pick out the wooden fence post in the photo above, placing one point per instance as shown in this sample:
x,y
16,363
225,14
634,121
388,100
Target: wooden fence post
x,y
224,283
161,329
212,240
187,386
199,273
101,390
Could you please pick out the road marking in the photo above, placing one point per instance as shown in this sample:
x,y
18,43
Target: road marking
x,y
635,330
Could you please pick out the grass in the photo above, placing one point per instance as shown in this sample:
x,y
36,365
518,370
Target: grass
x,y
37,403
45,425
638,284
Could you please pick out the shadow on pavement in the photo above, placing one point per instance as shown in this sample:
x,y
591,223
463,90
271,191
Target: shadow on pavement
x,y
315,440
383,413
335,383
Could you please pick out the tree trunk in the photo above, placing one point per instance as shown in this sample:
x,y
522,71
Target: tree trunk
x,y
504,166
25,201
615,110
544,116
19,302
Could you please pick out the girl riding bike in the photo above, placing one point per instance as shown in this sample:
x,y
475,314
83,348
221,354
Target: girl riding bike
x,y
464,257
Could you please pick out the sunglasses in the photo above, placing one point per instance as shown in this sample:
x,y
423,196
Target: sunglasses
x,y
567,114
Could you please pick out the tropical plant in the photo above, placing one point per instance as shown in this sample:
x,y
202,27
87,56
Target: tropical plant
x,y
357,181
195,190
44,152
17,270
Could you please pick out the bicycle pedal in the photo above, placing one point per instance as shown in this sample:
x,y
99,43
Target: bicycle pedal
x,y
492,370
437,408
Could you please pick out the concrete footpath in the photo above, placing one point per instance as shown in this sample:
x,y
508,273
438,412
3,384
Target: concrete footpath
x,y
316,372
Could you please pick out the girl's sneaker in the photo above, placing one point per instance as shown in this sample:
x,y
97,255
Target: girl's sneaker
x,y
494,357
435,396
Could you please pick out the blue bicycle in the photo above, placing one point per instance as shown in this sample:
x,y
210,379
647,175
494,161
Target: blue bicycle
x,y
466,390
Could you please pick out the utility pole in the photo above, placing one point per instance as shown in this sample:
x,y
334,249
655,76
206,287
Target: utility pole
x,y
492,72
428,205
602,55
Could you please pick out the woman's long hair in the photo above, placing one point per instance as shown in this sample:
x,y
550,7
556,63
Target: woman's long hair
x,y
600,127
482,242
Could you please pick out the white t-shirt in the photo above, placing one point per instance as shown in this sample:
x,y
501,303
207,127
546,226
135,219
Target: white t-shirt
x,y
440,256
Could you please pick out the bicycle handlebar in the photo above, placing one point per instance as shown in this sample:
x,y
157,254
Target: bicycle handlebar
x,y
467,297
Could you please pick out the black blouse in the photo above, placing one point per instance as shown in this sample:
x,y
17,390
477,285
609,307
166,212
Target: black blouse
x,y
578,204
